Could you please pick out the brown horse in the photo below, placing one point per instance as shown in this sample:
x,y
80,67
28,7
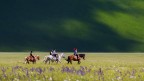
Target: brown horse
x,y
82,56
73,58
31,59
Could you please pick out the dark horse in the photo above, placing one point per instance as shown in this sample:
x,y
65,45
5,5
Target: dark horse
x,y
82,56
73,58
31,59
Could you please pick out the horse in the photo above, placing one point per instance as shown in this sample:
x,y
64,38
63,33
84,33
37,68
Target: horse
x,y
51,58
29,59
54,55
82,56
73,58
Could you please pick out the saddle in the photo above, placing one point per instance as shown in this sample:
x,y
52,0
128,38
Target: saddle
x,y
76,57
31,58
55,55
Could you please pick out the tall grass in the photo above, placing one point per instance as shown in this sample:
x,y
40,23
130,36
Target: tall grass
x,y
96,67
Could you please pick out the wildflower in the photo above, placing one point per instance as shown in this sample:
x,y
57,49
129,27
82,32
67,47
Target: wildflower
x,y
27,73
4,75
50,78
15,79
82,68
39,70
16,67
19,77
118,78
32,69
81,72
132,76
51,69
3,70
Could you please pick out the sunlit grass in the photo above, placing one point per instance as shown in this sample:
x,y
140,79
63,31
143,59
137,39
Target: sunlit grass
x,y
96,67
127,23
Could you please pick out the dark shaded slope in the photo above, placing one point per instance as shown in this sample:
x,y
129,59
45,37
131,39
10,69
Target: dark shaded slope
x,y
65,24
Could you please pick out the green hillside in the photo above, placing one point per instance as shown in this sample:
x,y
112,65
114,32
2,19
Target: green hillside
x,y
89,25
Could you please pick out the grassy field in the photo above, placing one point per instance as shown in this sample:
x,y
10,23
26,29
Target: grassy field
x,y
96,67
90,25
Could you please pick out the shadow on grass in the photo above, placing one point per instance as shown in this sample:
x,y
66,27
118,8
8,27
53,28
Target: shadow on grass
x,y
60,24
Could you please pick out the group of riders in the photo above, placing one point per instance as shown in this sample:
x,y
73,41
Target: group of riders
x,y
55,54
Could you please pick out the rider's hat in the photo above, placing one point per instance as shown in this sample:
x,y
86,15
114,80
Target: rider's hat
x,y
75,48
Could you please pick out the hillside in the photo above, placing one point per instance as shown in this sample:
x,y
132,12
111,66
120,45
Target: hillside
x,y
89,25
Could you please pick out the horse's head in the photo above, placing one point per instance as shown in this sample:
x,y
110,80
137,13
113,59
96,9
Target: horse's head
x,y
62,55
37,57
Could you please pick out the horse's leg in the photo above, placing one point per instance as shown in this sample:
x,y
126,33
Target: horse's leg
x,y
71,61
68,61
49,61
59,61
28,62
79,62
25,60
46,61
84,57
34,62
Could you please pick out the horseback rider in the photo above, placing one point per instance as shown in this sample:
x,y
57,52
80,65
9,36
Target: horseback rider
x,y
31,55
75,52
53,53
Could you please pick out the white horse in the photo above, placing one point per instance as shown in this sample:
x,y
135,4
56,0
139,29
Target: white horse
x,y
51,58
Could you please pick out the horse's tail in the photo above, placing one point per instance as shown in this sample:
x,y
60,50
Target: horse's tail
x,y
26,60
45,58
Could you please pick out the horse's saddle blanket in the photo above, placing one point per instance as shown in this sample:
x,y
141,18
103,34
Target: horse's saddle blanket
x,y
75,57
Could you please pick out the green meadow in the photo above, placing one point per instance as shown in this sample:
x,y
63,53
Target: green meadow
x,y
89,25
92,26
96,67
